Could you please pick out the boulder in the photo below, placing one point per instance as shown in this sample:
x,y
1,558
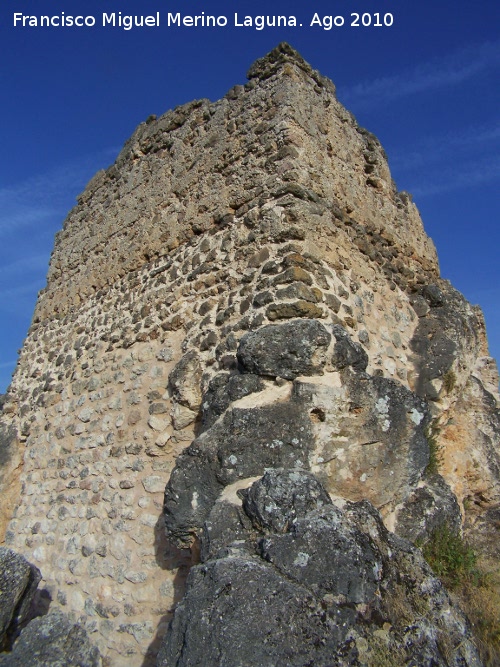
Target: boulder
x,y
298,347
222,391
346,352
428,507
52,641
185,381
241,444
369,435
281,497
8,444
18,583
322,585
10,461
450,330
363,436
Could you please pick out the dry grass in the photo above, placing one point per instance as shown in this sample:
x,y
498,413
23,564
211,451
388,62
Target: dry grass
x,y
473,583
479,598
450,557
449,381
384,655
435,450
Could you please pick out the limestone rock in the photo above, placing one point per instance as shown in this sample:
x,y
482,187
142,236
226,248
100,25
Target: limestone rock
x,y
185,380
285,350
223,390
18,583
52,641
281,497
182,416
248,587
481,531
240,445
9,462
363,436
286,311
346,353
335,588
8,438
369,434
430,506
448,332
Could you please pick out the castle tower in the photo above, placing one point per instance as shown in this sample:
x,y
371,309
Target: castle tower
x,y
218,219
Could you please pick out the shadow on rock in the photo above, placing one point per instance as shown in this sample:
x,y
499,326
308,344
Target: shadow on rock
x,y
174,560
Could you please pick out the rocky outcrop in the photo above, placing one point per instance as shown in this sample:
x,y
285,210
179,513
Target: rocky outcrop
x,y
242,444
430,506
363,436
285,350
460,381
273,302
52,641
289,578
18,583
10,461
346,353
48,641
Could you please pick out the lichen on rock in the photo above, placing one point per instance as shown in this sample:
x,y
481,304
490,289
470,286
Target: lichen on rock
x,y
313,583
273,303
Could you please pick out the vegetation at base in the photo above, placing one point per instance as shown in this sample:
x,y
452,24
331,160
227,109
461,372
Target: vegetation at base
x,y
481,603
435,454
449,556
383,655
475,587
449,380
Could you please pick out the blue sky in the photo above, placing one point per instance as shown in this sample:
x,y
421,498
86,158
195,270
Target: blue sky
x,y
428,87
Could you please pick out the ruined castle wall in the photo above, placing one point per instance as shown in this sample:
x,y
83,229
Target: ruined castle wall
x,y
216,219
101,429
180,174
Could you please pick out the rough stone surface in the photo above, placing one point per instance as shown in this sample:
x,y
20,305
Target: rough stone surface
x,y
450,331
335,588
9,462
242,444
225,531
370,437
285,350
52,641
207,634
281,497
430,506
223,390
18,583
481,532
346,353
184,381
220,216
8,437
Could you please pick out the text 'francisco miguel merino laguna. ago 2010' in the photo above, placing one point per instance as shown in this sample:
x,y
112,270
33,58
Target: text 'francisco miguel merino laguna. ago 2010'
x,y
178,20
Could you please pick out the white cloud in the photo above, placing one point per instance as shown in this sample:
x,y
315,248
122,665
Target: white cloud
x,y
46,198
449,70
468,174
23,265
445,147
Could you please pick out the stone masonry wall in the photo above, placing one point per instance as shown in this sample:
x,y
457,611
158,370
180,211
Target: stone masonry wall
x,y
179,175
268,206
103,432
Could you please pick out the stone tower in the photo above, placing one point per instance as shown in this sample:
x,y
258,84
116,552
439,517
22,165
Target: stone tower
x,y
269,208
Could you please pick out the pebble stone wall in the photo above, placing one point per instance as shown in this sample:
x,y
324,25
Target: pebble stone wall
x,y
103,430
216,219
